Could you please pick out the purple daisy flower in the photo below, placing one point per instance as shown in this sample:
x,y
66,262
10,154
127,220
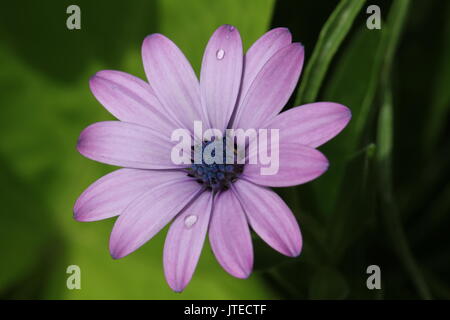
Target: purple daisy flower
x,y
234,91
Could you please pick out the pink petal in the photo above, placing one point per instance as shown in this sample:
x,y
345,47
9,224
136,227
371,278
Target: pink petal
x,y
111,194
229,236
260,52
127,145
172,78
184,242
311,124
297,164
221,75
271,88
270,217
130,99
149,213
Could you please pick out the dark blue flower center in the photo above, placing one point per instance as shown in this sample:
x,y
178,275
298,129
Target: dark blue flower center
x,y
218,173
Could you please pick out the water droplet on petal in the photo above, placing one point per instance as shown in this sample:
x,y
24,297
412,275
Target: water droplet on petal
x,y
220,54
190,220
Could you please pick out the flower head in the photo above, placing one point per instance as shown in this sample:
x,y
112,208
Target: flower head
x,y
221,199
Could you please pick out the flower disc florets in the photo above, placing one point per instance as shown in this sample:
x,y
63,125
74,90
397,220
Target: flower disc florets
x,y
215,172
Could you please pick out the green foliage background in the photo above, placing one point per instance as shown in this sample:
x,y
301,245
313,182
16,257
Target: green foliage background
x,y
385,199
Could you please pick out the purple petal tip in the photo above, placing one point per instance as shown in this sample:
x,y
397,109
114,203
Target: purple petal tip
x,y
176,287
243,274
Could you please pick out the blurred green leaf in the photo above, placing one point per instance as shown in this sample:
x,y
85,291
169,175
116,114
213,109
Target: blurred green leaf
x,y
354,211
385,136
327,283
196,20
355,84
396,20
24,229
333,33
293,278
349,85
439,287
437,213
42,41
440,97
388,204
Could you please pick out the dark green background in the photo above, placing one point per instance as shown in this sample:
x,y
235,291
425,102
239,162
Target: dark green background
x,y
385,199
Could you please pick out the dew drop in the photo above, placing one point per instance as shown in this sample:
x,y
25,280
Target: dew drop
x,y
230,28
220,54
189,221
